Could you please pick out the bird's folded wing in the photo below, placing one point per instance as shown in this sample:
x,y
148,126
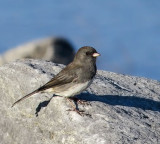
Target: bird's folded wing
x,y
67,75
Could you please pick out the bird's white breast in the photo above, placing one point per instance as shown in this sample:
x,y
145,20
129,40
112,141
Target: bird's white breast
x,y
75,89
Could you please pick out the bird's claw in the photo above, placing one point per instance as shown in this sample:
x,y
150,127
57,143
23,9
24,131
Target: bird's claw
x,y
83,102
78,111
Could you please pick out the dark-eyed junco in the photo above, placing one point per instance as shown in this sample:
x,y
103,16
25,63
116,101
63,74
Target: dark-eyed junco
x,y
74,78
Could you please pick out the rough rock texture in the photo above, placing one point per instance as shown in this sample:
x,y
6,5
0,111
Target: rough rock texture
x,y
58,50
124,109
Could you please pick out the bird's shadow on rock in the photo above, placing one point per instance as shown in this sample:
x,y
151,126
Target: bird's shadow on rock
x,y
128,101
114,100
42,104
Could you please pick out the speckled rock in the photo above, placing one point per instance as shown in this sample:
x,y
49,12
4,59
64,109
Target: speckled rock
x,y
123,109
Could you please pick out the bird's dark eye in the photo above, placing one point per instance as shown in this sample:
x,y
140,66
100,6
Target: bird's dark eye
x,y
88,53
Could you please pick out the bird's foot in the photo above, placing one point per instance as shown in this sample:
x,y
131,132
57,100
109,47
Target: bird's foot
x,y
82,102
77,111
81,113
75,108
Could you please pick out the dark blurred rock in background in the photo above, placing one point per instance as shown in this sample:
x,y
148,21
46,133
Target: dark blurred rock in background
x,y
55,49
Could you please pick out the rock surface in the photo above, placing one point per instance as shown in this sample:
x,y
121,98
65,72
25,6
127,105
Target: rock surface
x,y
123,109
58,50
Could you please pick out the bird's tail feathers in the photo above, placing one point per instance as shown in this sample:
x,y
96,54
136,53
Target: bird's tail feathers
x,y
28,95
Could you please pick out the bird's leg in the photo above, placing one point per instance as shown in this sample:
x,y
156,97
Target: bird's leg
x,y
74,107
82,102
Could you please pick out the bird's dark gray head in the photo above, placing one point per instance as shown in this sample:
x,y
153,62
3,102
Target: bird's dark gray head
x,y
86,54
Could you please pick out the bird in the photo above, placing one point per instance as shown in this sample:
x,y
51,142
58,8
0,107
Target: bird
x,y
74,78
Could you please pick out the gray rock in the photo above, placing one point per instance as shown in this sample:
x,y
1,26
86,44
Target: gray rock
x,y
57,50
124,109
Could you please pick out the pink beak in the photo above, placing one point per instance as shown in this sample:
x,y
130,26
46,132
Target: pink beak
x,y
96,55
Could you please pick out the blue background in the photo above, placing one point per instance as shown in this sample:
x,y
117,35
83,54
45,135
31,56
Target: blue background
x,y
125,32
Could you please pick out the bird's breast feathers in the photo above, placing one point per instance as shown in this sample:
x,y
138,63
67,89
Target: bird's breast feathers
x,y
69,90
